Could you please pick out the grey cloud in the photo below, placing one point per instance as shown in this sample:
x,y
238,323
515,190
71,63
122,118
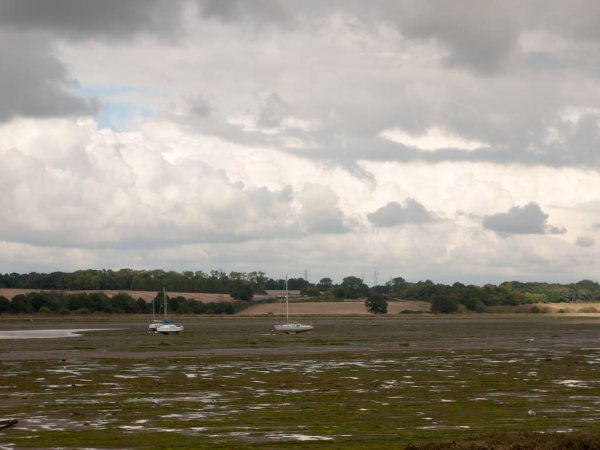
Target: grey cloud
x,y
579,148
199,107
273,112
584,141
577,20
33,82
555,229
481,36
257,11
329,222
320,211
113,19
528,219
394,214
584,241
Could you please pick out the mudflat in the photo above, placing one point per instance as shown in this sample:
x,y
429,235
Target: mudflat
x,y
376,382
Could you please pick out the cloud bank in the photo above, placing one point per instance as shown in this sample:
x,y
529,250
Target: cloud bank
x,y
454,142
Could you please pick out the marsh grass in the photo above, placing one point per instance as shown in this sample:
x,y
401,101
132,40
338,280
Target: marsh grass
x,y
516,441
350,384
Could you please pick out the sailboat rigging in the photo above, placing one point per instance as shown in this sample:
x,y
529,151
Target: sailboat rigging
x,y
167,326
291,327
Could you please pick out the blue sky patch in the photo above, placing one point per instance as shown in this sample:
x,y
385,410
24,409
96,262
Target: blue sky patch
x,y
118,116
114,114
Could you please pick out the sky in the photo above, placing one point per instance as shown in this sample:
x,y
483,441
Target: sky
x,y
449,141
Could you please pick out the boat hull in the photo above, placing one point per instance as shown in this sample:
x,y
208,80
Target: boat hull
x,y
169,328
293,328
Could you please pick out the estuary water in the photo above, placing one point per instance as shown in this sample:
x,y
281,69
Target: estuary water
x,y
46,334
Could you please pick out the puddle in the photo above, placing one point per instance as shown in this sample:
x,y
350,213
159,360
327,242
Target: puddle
x,y
49,334
298,437
573,383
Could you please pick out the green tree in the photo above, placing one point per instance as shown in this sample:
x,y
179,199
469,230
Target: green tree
x,y
20,304
443,302
242,291
325,284
376,303
123,303
311,291
4,304
258,280
142,306
351,287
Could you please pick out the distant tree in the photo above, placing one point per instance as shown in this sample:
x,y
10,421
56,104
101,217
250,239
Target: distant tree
x,y
242,291
398,284
376,303
142,307
258,280
177,304
20,304
351,287
444,303
123,303
325,284
297,283
472,297
311,291
4,304
78,300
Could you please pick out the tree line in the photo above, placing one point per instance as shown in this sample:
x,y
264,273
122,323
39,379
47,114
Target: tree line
x,y
450,298
216,281
244,286
56,302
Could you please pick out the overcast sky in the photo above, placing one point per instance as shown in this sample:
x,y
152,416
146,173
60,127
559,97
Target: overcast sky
x,y
451,141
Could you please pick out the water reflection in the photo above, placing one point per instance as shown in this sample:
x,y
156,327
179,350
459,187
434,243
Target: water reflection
x,y
47,334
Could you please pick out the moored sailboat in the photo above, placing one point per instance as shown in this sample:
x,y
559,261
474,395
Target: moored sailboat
x,y
166,326
155,323
290,327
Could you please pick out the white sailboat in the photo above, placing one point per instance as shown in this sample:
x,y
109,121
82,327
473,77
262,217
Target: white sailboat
x,y
155,323
291,327
166,326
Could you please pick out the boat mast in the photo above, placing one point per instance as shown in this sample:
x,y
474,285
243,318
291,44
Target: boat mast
x,y
165,302
287,308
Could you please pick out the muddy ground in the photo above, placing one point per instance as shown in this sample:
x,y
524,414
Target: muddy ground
x,y
375,382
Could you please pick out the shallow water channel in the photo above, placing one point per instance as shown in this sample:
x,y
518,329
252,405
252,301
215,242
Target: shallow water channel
x,y
388,386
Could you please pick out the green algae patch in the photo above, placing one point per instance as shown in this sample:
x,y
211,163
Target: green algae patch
x,y
452,382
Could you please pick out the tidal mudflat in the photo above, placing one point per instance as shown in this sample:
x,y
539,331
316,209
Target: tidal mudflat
x,y
351,383
46,334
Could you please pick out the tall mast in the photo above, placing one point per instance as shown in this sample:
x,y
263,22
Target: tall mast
x,y
165,301
287,308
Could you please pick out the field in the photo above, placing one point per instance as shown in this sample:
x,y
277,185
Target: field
x,y
324,308
146,295
355,382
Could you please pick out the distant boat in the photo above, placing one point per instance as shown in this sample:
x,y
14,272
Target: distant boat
x,y
166,326
291,327
169,327
155,323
